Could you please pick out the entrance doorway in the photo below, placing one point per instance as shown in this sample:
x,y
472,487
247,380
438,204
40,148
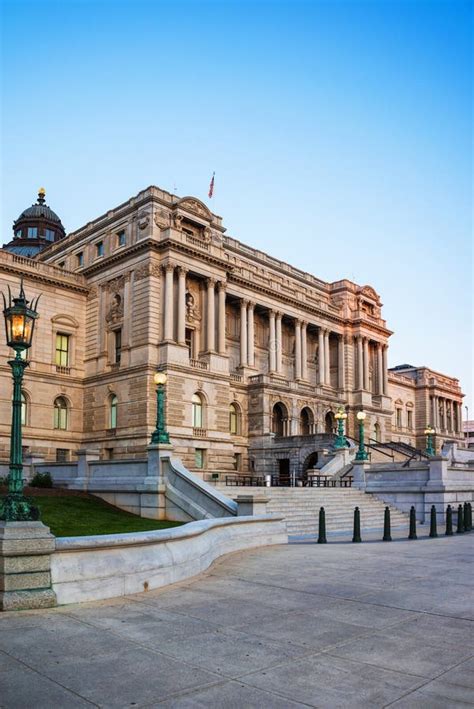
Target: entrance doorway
x,y
284,472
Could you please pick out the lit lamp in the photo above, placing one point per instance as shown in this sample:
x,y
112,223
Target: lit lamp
x,y
429,433
160,434
361,453
340,417
19,325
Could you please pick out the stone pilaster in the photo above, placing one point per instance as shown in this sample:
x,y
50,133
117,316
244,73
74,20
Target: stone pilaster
x,y
221,308
272,345
279,344
379,369
360,363
304,350
169,315
182,305
327,363
243,333
250,335
25,566
297,349
211,321
341,363
366,363
321,367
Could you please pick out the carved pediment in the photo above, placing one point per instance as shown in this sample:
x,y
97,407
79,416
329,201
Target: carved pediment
x,y
369,292
195,206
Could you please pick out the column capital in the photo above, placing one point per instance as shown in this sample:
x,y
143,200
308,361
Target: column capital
x,y
222,285
182,270
244,302
210,282
251,304
169,267
278,314
304,323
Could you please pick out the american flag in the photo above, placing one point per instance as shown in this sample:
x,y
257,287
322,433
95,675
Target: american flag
x,y
211,186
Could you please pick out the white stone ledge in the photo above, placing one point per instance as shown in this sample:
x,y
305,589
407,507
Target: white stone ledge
x,y
106,566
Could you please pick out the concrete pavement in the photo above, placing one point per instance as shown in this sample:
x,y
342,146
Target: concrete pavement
x,y
336,625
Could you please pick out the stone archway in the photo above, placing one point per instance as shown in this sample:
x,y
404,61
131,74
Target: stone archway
x,y
329,423
279,418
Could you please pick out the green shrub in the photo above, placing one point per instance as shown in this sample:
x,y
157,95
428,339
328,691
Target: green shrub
x,y
42,480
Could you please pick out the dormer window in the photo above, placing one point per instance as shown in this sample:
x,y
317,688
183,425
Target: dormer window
x,y
49,234
18,234
32,232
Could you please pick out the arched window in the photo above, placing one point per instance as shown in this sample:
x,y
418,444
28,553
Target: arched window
x,y
113,404
306,421
60,413
197,411
329,422
377,432
279,416
24,409
234,419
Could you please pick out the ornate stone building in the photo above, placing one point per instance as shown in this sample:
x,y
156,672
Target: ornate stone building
x,y
253,347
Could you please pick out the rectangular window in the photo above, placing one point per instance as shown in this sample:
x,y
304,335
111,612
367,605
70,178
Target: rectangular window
x,y
80,259
62,350
49,234
199,458
118,346
62,455
99,249
32,232
399,418
237,461
121,239
189,338
410,419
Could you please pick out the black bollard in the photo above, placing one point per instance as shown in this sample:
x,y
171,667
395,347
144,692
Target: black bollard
x,y
322,527
469,512
412,532
356,536
449,521
387,537
460,528
466,517
433,529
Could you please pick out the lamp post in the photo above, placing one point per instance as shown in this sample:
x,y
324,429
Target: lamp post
x,y
340,417
429,433
19,324
160,434
361,453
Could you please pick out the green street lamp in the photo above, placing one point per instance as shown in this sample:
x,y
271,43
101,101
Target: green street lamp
x,y
19,324
160,434
340,417
429,433
361,453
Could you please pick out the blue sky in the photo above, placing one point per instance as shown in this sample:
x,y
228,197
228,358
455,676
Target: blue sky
x,y
340,134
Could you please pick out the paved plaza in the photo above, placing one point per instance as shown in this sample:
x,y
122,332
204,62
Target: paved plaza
x,y
341,625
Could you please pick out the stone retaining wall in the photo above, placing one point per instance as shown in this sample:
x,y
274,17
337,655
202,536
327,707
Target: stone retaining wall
x,y
106,566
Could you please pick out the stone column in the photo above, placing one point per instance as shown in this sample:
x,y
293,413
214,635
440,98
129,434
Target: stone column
x,y
297,349
169,316
385,369
279,345
435,413
211,315
251,335
379,369
304,350
360,363
366,363
221,302
127,306
181,305
327,363
243,333
321,365
341,368
445,415
272,342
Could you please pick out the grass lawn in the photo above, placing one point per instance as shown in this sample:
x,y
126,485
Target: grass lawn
x,y
71,516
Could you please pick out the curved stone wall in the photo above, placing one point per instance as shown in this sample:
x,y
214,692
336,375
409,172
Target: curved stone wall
x,y
106,566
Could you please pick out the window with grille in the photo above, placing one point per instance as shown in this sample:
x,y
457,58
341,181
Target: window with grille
x,y
62,350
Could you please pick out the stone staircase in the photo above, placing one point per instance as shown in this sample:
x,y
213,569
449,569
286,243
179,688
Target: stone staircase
x,y
300,507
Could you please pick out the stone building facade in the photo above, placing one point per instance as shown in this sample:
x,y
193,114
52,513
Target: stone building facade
x,y
253,347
